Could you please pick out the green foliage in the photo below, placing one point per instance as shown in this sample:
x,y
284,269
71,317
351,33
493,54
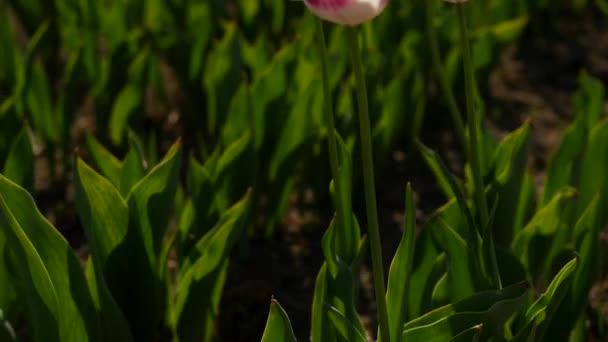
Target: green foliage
x,y
242,80
59,305
278,327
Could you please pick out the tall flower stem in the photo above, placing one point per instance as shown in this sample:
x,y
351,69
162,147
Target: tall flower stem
x,y
329,121
450,99
369,184
479,191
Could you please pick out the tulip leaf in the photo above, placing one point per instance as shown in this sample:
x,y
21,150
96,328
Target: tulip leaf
x,y
540,231
278,327
200,287
104,216
492,309
400,271
59,306
539,315
19,165
508,169
588,104
124,174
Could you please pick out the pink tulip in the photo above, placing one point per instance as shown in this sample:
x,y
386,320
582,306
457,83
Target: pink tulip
x,y
347,12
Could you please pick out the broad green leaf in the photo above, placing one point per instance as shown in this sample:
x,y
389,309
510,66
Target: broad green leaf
x,y
400,271
127,102
299,129
428,267
341,240
320,330
222,76
268,86
104,216
59,305
200,287
40,105
492,309
200,27
431,158
508,169
542,227
150,202
230,180
278,327
539,315
587,244
123,174
594,167
588,104
347,330
19,166
460,278
335,293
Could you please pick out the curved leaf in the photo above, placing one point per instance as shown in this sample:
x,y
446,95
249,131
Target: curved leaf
x,y
59,305
400,271
278,327
492,309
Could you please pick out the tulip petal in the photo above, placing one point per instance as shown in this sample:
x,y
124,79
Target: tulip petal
x,y
347,12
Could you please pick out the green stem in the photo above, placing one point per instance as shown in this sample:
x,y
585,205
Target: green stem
x,y
479,189
369,185
329,120
441,74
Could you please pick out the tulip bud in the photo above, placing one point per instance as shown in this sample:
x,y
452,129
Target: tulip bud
x,y
347,12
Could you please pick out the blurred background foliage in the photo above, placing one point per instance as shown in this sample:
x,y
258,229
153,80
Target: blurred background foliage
x,y
211,71
237,80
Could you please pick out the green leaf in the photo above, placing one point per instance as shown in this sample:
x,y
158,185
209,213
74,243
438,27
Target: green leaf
x,y
200,25
587,244
104,216
588,105
199,289
278,327
542,228
40,105
429,266
347,330
319,329
432,160
400,271
539,315
19,166
594,167
508,170
59,306
341,240
492,309
123,174
460,279
127,102
150,203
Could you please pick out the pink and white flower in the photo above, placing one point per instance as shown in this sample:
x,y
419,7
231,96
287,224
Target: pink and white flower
x,y
347,12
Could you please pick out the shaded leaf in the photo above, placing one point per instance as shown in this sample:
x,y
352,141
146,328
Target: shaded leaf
x,y
278,327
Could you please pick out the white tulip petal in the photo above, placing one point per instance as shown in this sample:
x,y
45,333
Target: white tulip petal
x,y
347,12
